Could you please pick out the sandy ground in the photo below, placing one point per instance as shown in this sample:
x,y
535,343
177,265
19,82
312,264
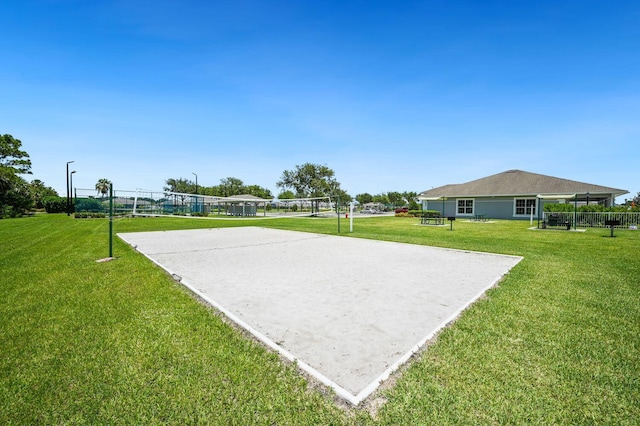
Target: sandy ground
x,y
349,310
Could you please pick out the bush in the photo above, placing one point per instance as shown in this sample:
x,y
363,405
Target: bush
x,y
55,204
568,207
89,205
89,215
431,213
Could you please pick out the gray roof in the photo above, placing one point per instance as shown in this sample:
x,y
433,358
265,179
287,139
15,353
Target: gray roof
x,y
519,183
247,198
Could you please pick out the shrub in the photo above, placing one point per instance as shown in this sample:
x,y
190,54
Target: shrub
x,y
431,213
89,205
89,215
568,207
55,204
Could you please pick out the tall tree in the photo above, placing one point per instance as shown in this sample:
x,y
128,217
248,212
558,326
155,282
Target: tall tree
x,y
395,198
381,198
286,195
102,186
12,158
183,186
310,180
231,186
409,196
39,191
15,197
364,198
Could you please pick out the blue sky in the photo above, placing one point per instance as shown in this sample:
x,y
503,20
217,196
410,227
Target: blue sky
x,y
392,95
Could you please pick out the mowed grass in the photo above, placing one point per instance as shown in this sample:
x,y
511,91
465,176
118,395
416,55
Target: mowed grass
x,y
81,342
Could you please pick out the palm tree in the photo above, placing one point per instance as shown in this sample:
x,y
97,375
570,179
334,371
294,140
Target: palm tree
x,y
103,186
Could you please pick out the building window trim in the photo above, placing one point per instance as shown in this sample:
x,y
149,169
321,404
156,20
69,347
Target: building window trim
x,y
465,206
524,207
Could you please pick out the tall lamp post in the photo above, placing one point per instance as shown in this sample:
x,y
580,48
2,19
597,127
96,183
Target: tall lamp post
x,y
71,189
68,199
197,209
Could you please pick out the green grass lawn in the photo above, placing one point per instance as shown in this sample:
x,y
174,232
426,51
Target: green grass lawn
x,y
557,342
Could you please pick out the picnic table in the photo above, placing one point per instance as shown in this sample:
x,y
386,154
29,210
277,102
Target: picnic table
x,y
479,218
431,220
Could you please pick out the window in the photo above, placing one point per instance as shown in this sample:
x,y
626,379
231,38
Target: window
x,y
525,206
465,207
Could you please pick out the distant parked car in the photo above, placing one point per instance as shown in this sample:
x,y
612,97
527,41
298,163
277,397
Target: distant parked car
x,y
402,210
369,211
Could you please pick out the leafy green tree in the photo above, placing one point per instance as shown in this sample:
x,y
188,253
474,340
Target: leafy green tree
x,y
286,195
12,158
409,196
39,192
340,194
182,186
310,180
213,191
15,196
364,198
102,186
395,198
231,186
381,199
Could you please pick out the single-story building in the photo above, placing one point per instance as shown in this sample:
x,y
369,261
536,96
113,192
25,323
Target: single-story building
x,y
514,194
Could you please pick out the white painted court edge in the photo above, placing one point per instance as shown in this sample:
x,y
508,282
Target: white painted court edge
x,y
350,311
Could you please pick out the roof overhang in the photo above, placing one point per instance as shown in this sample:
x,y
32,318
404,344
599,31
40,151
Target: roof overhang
x,y
432,198
556,196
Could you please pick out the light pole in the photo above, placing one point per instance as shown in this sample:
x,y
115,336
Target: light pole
x,y
68,199
197,210
71,188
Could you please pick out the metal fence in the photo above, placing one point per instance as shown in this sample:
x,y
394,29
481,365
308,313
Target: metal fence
x,y
596,219
145,203
89,201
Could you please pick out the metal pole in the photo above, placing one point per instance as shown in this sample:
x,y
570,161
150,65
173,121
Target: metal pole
x,y
111,220
68,197
351,217
71,189
197,209
338,211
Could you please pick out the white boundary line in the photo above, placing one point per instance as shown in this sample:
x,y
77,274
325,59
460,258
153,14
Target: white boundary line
x,y
340,391
368,390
